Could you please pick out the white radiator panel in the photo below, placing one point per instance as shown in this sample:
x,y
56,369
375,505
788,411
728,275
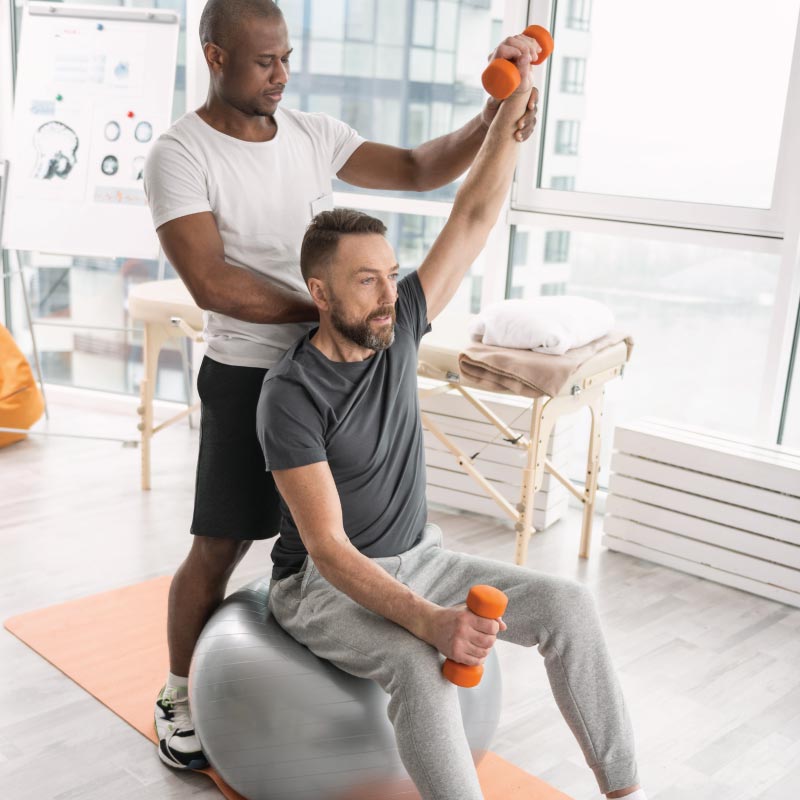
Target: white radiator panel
x,y
706,504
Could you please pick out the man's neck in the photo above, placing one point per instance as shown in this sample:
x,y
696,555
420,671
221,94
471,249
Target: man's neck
x,y
231,121
336,347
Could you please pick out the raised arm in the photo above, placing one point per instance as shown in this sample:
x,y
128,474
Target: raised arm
x,y
477,204
312,497
439,161
194,247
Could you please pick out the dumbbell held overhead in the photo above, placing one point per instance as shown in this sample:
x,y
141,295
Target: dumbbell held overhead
x,y
484,601
501,77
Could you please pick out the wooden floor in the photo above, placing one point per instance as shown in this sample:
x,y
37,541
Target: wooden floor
x,y
711,675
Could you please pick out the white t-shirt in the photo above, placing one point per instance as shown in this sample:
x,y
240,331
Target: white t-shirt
x,y
262,195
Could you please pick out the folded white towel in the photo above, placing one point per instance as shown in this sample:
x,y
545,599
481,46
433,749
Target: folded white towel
x,y
544,324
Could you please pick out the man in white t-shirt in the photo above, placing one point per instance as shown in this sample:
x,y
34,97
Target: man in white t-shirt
x,y
232,187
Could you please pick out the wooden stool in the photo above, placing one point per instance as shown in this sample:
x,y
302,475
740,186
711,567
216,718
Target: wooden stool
x,y
167,311
438,359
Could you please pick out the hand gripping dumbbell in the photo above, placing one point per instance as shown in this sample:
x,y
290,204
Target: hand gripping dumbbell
x,y
485,601
501,77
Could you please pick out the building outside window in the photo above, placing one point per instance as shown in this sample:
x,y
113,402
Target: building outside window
x,y
579,14
573,75
567,133
556,247
564,183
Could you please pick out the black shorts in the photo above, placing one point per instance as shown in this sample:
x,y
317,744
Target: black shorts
x,y
235,497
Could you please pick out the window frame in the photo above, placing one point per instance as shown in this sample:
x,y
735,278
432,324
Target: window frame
x,y
702,216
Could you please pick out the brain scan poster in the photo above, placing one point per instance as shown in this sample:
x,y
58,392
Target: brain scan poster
x,y
94,89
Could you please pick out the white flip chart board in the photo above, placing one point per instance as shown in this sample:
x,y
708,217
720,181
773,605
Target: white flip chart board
x,y
93,91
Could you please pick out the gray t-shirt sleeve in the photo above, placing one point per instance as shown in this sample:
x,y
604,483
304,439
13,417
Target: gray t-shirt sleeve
x,y
290,427
411,307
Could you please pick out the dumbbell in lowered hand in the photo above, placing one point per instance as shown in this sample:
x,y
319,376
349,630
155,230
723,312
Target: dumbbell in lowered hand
x,y
484,601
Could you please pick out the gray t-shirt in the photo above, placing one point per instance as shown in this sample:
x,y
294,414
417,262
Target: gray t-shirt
x,y
363,419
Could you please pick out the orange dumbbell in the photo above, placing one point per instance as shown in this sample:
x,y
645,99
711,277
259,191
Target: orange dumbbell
x,y
501,77
485,601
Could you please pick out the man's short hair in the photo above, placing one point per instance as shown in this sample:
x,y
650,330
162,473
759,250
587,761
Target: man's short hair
x,y
323,234
221,19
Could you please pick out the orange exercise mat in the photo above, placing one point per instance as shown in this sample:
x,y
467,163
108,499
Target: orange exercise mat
x,y
114,645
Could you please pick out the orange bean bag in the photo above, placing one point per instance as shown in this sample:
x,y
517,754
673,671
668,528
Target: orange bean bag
x,y
21,402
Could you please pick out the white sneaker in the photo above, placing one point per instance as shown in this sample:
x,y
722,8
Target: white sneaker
x,y
178,746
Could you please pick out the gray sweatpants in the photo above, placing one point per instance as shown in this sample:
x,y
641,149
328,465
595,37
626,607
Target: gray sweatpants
x,y
556,614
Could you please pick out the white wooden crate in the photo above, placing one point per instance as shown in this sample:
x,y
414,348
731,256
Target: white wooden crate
x,y
707,504
499,461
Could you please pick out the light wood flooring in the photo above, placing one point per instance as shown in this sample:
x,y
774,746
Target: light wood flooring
x,y
711,674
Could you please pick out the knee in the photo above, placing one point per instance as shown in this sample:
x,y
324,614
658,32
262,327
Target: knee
x,y
574,594
416,666
418,675
418,688
215,557
573,604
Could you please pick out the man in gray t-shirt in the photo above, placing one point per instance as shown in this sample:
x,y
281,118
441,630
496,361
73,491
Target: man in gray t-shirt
x,y
359,578
362,417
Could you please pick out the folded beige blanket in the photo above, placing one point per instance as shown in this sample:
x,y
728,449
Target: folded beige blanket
x,y
526,373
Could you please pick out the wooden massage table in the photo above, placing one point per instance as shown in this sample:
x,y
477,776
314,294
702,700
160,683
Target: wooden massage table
x,y
556,385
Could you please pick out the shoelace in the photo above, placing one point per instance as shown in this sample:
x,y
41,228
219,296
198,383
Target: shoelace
x,y
181,719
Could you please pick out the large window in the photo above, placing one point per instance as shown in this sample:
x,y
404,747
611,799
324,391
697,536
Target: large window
x,y
657,180
671,110
83,332
700,318
401,72
660,181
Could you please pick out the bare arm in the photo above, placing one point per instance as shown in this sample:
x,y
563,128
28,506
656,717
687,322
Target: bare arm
x,y
429,166
312,497
194,247
439,161
475,210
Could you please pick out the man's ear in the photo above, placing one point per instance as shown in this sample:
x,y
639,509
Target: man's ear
x,y
215,56
319,293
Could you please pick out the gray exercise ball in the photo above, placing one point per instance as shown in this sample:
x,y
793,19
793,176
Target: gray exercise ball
x,y
278,723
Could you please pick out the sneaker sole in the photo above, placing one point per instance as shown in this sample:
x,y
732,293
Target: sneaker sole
x,y
195,765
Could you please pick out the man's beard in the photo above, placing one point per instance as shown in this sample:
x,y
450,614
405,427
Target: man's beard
x,y
361,334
